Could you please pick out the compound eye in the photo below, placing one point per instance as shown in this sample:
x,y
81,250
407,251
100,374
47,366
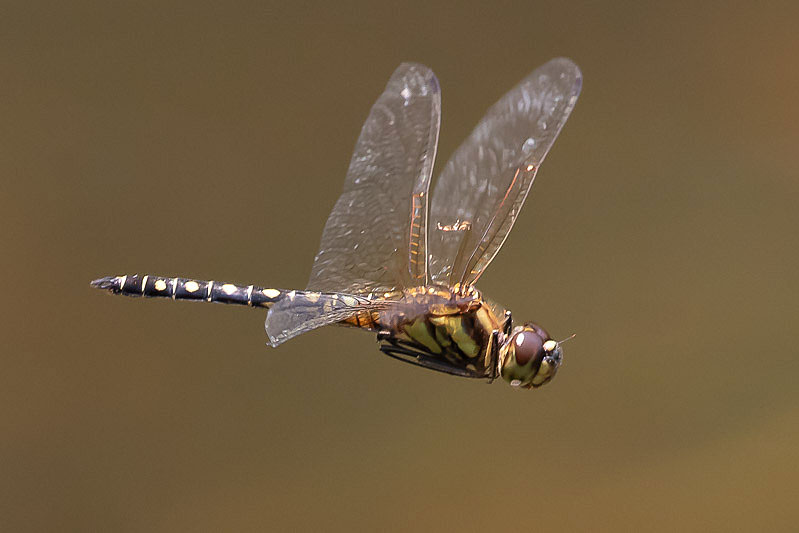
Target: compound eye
x,y
528,346
538,329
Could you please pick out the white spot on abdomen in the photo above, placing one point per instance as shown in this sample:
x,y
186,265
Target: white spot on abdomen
x,y
229,288
271,293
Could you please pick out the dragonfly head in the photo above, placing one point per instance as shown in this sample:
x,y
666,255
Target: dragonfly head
x,y
529,357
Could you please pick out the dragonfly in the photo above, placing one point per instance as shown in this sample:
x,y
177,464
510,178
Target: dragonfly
x,y
391,262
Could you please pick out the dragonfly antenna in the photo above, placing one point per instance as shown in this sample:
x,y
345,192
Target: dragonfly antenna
x,y
567,338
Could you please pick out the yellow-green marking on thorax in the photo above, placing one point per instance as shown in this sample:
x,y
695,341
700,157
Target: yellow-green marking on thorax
x,y
417,330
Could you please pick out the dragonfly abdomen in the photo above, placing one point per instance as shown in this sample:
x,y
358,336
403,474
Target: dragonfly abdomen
x,y
189,289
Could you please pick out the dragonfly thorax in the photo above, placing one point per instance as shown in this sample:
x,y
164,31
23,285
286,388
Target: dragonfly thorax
x,y
528,357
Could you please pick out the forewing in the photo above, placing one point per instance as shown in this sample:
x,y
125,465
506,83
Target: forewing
x,y
375,237
483,186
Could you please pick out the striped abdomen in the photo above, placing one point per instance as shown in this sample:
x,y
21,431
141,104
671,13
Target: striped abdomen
x,y
189,289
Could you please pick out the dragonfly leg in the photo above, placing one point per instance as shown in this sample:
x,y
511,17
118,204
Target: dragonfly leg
x,y
409,353
508,326
397,349
494,355
420,358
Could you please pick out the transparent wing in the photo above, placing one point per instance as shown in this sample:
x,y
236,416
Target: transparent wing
x,y
302,311
375,237
483,186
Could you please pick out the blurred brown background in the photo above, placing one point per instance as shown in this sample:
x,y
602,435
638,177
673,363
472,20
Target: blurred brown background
x,y
208,141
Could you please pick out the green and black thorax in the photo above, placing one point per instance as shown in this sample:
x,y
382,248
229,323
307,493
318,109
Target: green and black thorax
x,y
439,328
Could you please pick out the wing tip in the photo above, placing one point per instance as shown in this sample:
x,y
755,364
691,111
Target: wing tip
x,y
565,64
427,77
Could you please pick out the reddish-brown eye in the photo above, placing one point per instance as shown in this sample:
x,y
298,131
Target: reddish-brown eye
x,y
538,329
528,346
